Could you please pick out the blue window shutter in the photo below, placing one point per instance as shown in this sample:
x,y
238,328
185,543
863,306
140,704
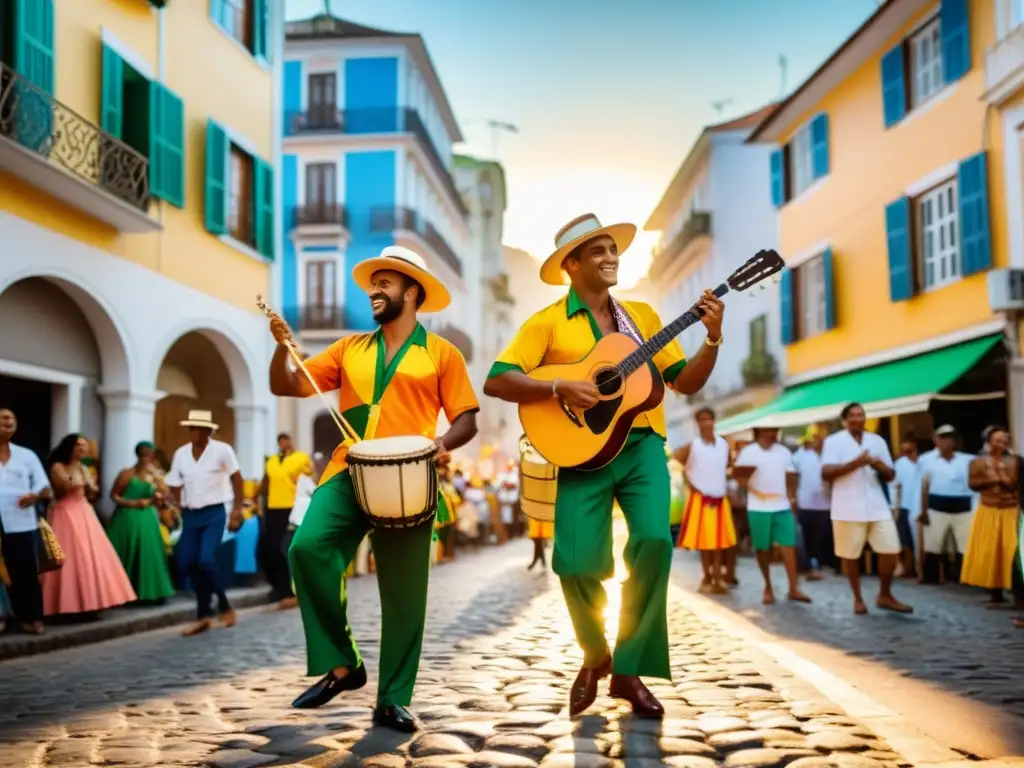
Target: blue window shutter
x,y
112,93
216,187
819,146
830,289
263,207
778,178
901,259
33,42
260,29
975,240
894,87
166,145
787,315
956,39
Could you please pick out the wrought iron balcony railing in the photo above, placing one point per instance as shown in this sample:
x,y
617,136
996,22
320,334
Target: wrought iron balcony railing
x,y
321,214
698,224
326,119
33,119
312,317
391,219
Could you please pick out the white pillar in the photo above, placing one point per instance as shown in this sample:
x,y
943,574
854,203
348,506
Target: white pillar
x,y
251,440
128,419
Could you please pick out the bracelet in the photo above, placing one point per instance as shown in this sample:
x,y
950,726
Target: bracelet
x,y
710,343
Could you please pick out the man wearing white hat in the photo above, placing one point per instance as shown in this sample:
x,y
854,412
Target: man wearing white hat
x,y
587,257
392,382
204,478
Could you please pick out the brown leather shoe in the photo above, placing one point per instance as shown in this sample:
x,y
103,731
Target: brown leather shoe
x,y
584,689
637,694
198,628
228,618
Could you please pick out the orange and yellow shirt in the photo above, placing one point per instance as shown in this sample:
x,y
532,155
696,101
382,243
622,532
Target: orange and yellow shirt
x,y
426,374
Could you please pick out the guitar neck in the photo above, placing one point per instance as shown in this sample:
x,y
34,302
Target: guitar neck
x,y
643,354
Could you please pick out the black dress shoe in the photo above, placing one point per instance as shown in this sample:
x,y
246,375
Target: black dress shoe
x,y
395,717
329,686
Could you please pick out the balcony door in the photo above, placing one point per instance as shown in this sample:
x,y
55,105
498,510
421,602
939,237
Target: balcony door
x,y
323,100
321,309
321,192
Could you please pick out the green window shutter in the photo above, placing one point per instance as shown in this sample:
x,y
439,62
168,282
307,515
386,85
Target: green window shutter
x,y
167,145
260,29
216,189
263,207
112,93
33,41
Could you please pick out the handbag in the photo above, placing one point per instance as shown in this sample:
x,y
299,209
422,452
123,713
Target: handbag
x,y
49,553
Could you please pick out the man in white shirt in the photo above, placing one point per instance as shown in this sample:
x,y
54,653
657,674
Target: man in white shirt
x,y
23,482
812,503
905,492
204,478
765,468
856,463
947,502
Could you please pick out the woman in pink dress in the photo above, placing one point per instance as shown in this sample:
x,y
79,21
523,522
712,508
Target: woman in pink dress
x,y
92,577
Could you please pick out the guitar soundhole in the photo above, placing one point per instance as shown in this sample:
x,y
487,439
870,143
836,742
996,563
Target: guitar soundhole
x,y
599,418
608,381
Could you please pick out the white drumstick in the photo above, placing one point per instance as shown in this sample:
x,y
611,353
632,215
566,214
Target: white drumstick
x,y
340,421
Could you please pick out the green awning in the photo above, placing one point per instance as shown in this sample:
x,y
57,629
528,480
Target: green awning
x,y
889,389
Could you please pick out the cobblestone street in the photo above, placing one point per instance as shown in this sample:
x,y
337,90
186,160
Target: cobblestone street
x,y
498,662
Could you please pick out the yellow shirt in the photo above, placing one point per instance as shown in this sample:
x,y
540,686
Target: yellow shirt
x,y
427,374
282,475
566,332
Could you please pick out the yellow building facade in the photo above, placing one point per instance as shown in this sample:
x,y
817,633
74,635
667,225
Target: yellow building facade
x,y
138,148
889,176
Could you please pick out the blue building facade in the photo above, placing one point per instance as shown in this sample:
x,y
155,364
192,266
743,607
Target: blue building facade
x,y
367,151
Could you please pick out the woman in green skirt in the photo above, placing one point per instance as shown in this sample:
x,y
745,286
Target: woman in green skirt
x,y
135,528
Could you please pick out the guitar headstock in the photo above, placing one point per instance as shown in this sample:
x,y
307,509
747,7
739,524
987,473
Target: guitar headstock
x,y
758,267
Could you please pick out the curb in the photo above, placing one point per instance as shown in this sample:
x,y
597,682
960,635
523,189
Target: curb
x,y
122,626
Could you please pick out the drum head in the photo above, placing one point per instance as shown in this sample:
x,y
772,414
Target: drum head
x,y
392,447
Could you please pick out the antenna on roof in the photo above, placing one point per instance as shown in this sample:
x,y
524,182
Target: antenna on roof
x,y
497,127
327,8
720,105
783,65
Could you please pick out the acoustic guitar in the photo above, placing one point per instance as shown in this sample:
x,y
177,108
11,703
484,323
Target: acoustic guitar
x,y
627,384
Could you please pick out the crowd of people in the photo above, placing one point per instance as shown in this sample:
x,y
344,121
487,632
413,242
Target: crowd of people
x,y
841,503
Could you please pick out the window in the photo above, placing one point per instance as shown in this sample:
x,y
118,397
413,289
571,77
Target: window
x,y
800,160
247,21
237,20
321,286
925,49
323,100
240,186
321,187
810,280
759,336
937,233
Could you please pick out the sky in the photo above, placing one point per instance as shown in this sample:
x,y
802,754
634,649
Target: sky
x,y
608,95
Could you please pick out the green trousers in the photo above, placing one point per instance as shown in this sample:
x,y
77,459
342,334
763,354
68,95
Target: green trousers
x,y
321,551
638,479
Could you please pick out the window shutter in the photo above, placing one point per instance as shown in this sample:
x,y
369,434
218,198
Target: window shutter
x,y
787,309
260,29
33,42
975,241
216,187
112,93
819,146
778,178
956,39
828,277
263,207
901,261
166,145
894,88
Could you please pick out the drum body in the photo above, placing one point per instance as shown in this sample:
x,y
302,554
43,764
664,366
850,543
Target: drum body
x,y
395,480
538,483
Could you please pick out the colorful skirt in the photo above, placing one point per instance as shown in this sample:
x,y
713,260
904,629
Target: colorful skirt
x,y
538,529
707,523
991,548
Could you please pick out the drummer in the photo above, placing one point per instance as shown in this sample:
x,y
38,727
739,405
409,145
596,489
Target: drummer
x,y
392,382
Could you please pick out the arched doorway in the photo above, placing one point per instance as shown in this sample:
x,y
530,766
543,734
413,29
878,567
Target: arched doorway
x,y
193,375
325,434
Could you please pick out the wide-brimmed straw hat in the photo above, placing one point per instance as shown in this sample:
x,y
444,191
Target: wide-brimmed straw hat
x,y
399,259
577,232
199,419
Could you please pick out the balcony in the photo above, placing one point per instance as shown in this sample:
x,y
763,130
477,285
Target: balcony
x,y
320,220
420,232
324,121
1004,66
317,318
58,151
698,225
759,369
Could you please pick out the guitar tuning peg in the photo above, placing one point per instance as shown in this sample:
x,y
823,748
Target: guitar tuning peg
x,y
752,292
776,279
763,286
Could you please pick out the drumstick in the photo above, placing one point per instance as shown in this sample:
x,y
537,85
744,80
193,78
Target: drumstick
x,y
340,421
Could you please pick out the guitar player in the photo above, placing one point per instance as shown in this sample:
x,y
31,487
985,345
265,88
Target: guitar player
x,y
637,478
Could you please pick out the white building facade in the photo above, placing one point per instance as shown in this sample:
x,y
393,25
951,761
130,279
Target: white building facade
x,y
713,217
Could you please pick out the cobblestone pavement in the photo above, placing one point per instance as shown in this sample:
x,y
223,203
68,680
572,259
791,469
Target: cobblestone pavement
x,y
952,644
498,662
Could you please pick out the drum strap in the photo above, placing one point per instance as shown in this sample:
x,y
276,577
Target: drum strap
x,y
372,419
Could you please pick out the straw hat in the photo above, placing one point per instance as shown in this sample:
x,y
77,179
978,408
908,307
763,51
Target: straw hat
x,y
402,260
577,232
199,419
